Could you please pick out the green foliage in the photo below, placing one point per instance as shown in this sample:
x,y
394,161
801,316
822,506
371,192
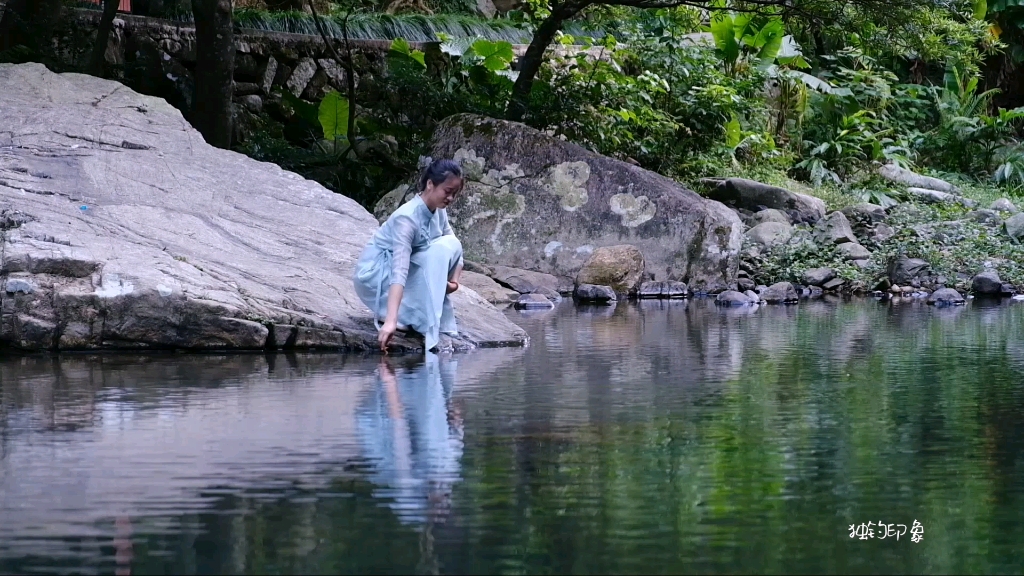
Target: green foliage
x,y
333,116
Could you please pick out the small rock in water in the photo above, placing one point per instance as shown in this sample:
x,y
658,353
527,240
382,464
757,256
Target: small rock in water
x,y
750,294
533,302
1007,290
549,293
780,293
669,289
987,282
594,293
733,298
946,297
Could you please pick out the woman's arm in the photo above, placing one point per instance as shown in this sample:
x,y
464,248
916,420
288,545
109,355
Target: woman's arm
x,y
404,231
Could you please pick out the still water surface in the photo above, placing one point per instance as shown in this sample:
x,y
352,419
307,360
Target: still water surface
x,y
651,438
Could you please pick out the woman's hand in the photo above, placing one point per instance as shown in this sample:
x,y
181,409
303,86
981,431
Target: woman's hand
x,y
387,332
452,287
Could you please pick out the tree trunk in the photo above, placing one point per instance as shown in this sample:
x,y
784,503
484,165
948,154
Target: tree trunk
x,y
102,37
215,64
212,110
30,23
531,62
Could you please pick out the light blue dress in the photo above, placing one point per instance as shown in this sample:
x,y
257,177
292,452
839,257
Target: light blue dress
x,y
418,249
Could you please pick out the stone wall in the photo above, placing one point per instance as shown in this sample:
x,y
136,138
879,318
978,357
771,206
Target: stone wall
x,y
158,57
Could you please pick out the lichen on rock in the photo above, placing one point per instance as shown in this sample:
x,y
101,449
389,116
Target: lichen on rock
x,y
568,181
633,210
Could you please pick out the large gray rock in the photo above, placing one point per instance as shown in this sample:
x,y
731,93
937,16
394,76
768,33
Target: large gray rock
x,y
528,281
987,282
770,215
621,268
490,290
835,229
137,234
1015,226
770,233
853,251
818,276
535,202
865,213
929,196
1003,205
894,173
755,196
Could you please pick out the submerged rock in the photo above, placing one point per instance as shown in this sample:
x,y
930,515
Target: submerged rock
x,y
946,297
535,202
755,196
594,293
137,234
619,267
533,302
668,289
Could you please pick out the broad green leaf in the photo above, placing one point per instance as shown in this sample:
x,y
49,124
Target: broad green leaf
x,y
334,116
980,8
732,132
790,53
400,46
495,55
741,24
725,39
457,46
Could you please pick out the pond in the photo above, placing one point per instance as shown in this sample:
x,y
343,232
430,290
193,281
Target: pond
x,y
657,437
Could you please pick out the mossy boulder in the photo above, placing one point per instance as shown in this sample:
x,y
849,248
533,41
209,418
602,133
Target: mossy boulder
x,y
535,202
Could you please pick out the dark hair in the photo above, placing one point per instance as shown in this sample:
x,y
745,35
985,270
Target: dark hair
x,y
438,171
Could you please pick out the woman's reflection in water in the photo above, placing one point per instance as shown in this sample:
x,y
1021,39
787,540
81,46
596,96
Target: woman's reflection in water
x,y
412,431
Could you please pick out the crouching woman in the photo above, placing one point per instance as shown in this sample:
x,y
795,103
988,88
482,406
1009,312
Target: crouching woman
x,y
414,261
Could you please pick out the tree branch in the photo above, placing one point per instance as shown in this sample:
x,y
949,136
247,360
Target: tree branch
x,y
346,63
